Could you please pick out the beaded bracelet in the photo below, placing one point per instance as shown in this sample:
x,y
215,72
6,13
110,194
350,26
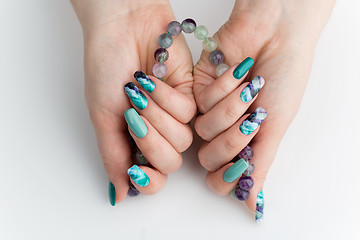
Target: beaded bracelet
x,y
216,57
174,28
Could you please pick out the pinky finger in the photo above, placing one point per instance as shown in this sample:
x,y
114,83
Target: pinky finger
x,y
147,180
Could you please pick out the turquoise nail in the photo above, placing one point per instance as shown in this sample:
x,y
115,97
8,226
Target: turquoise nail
x,y
138,176
243,67
253,121
112,194
145,81
259,207
235,170
136,96
135,123
252,89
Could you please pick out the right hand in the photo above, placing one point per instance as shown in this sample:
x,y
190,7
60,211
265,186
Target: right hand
x,y
120,38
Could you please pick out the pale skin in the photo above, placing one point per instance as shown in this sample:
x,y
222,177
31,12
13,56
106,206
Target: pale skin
x,y
121,36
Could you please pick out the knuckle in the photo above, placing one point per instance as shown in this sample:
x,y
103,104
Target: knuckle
x,y
231,113
230,145
199,128
203,161
185,142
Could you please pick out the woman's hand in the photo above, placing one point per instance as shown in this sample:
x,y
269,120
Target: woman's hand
x,y
280,36
120,38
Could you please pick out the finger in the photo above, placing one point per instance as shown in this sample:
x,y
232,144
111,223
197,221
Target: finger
x,y
147,180
160,154
176,103
225,146
208,96
179,135
112,139
216,183
229,110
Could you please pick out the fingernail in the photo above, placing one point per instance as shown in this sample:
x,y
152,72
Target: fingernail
x,y
253,121
138,176
112,194
135,123
243,67
136,95
252,89
259,207
144,81
235,171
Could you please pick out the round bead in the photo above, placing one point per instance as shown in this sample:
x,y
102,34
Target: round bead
x,y
188,25
159,70
174,28
221,68
246,183
161,55
241,194
216,57
132,192
140,158
247,153
209,44
250,169
165,40
201,32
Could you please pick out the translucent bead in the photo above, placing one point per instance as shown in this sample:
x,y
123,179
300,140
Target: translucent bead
x,y
250,169
216,57
246,153
221,68
174,28
246,182
209,44
132,192
188,25
161,55
201,32
165,40
159,70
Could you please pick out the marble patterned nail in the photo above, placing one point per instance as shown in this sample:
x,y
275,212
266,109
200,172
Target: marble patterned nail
x,y
144,81
138,176
253,121
259,207
136,95
252,89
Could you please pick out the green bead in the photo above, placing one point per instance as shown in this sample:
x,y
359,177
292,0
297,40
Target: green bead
x,y
209,44
201,32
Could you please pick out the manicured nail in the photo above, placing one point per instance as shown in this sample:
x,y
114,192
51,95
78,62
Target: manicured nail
x,y
243,67
253,121
144,81
259,207
252,89
112,194
138,176
136,95
235,171
135,123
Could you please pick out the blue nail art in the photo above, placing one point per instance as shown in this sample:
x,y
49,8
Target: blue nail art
x,y
253,121
252,89
144,81
138,176
136,95
259,207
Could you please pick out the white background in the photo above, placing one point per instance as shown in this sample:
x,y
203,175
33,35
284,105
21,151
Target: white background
x,y
52,181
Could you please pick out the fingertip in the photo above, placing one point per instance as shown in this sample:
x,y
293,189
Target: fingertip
x,y
156,181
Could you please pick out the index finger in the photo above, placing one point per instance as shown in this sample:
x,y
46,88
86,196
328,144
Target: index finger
x,y
210,95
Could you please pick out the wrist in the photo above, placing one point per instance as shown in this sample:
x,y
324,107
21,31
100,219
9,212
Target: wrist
x,y
94,14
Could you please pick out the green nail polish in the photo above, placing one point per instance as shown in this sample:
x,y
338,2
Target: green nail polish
x,y
138,176
235,171
243,67
135,123
112,194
